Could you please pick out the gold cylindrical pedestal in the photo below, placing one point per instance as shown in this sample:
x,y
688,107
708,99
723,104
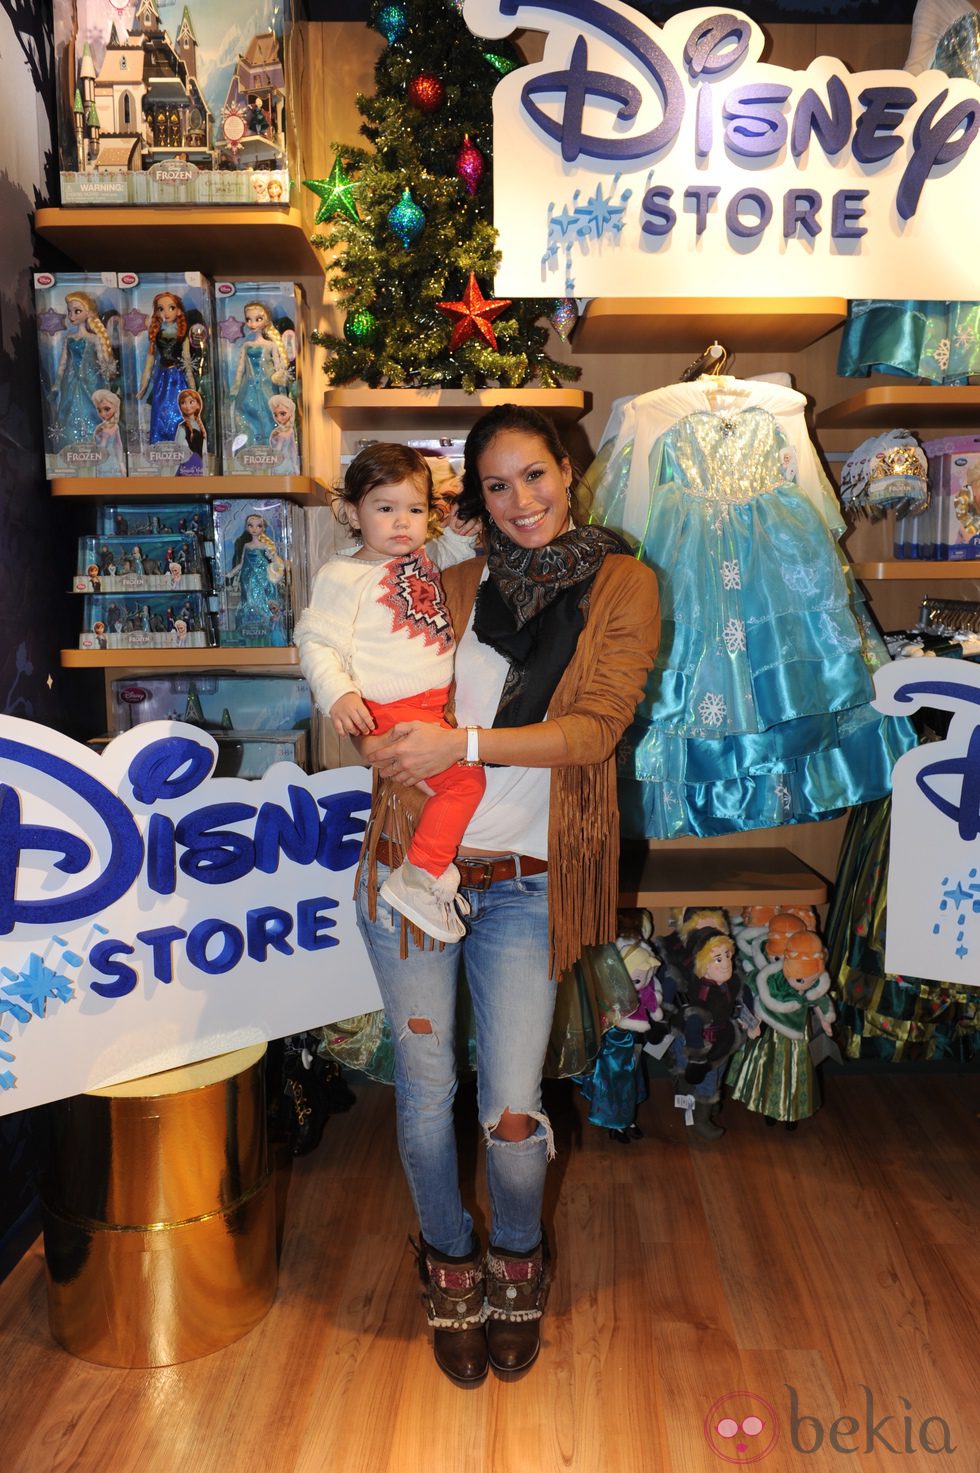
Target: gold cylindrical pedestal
x,y
159,1214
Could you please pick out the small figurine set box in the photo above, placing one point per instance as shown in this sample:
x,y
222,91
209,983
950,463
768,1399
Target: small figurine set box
x,y
145,621
78,332
258,353
162,102
159,564
166,342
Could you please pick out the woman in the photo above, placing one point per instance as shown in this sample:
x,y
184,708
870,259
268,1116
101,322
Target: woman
x,y
560,623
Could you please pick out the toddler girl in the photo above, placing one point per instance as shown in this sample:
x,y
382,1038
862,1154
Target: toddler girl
x,y
376,645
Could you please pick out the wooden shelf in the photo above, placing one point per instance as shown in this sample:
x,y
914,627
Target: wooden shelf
x,y
364,409
183,659
233,241
911,406
727,876
689,324
304,489
913,570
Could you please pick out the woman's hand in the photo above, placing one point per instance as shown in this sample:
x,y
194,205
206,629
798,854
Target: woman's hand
x,y
415,750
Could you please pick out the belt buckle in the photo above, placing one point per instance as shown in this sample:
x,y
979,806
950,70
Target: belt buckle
x,y
485,880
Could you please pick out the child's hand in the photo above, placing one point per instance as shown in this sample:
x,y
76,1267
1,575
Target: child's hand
x,y
469,528
350,716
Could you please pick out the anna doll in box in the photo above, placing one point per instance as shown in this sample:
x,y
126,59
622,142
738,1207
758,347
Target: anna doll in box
x,y
168,369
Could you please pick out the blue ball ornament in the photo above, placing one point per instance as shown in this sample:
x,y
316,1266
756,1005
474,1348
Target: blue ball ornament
x,y
392,22
406,219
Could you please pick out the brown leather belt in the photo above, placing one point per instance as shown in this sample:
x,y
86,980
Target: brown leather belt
x,y
476,873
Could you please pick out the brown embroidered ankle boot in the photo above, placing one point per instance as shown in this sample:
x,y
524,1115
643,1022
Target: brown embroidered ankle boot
x,y
454,1304
517,1285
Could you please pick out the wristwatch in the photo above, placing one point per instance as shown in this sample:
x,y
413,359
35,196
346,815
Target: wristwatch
x,y
472,758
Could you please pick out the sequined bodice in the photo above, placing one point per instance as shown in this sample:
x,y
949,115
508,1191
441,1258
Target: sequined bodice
x,y
958,49
727,455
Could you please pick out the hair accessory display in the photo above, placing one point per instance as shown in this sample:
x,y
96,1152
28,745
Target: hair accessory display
x,y
887,472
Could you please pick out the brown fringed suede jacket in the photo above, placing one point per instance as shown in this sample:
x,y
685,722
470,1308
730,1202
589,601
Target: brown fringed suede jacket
x,y
593,704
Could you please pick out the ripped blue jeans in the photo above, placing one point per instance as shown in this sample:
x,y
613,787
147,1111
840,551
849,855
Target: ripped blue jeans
x,y
506,957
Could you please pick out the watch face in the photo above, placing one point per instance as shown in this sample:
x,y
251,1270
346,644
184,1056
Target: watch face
x,y
234,128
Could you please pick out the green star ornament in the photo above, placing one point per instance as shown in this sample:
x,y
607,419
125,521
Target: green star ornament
x,y
336,194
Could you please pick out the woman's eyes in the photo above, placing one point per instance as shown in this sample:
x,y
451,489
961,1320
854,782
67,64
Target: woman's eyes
x,y
531,475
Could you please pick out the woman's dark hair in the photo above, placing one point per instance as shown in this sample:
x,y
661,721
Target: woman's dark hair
x,y
470,503
384,464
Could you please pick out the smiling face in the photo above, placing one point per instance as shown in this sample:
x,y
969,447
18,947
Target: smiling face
x,y
167,309
76,311
254,526
392,520
283,413
525,488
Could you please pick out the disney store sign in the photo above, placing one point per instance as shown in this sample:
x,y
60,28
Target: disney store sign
x,y
151,914
933,927
645,160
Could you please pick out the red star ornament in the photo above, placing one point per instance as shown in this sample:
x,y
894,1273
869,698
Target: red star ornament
x,y
473,314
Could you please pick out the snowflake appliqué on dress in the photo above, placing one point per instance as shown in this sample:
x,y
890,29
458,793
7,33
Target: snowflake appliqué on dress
x,y
800,579
784,796
713,709
731,574
734,636
966,336
941,354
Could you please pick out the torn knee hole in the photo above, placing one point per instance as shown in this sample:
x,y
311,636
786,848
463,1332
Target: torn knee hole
x,y
419,1025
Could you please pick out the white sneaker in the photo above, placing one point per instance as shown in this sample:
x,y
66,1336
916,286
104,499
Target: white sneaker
x,y
431,903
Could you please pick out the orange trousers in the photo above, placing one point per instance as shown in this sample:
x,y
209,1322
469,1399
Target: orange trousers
x,y
456,791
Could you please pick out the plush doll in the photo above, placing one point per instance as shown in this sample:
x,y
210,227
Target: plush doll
x,y
643,964
774,1074
711,1020
615,1087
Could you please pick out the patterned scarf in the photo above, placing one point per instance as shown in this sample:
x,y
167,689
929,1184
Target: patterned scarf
x,y
531,610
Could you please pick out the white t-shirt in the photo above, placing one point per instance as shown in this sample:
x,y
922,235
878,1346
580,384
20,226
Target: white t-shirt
x,y
513,814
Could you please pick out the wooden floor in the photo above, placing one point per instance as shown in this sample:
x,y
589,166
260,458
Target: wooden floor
x,y
842,1257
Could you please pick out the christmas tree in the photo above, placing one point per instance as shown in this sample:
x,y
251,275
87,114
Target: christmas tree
x,y
410,220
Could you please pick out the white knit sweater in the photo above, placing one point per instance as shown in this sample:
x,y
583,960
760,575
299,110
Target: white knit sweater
x,y
379,628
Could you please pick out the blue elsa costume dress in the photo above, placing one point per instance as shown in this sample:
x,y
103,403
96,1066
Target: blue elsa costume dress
x,y
937,341
757,711
260,617
252,414
168,380
76,417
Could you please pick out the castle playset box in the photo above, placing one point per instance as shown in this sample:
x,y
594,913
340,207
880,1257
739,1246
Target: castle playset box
x,y
162,102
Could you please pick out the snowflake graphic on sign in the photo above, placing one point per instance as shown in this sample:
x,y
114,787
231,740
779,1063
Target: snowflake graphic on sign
x,y
581,223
